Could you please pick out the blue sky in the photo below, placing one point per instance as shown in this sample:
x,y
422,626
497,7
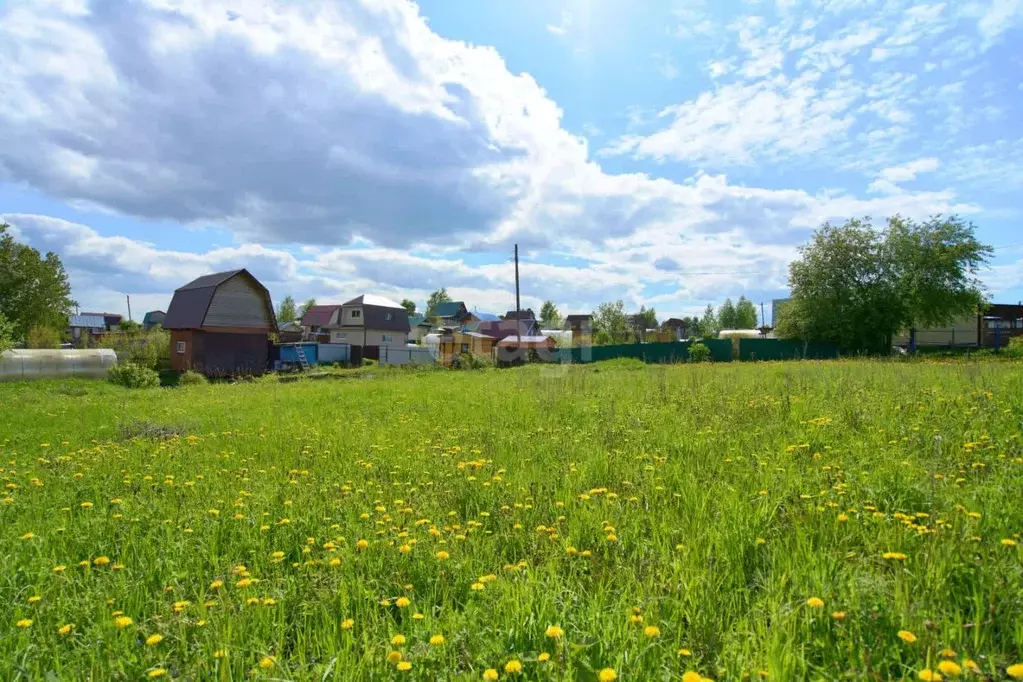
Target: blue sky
x,y
669,154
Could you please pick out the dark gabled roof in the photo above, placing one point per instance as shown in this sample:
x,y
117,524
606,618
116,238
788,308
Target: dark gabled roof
x,y
450,309
504,328
318,315
188,307
154,317
526,314
580,318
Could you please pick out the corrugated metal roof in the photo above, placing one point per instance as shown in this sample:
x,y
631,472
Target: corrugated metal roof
x,y
416,320
488,317
188,307
214,280
318,315
449,309
88,321
372,299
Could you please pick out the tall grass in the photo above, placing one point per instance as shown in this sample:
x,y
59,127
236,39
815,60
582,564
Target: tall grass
x,y
666,519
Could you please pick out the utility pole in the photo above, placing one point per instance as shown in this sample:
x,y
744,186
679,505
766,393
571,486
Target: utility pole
x,y
129,306
763,320
518,310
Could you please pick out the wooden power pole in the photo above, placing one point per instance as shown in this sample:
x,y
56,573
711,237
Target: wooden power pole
x,y
518,309
129,306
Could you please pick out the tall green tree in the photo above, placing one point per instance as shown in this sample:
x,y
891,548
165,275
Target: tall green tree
x,y
305,307
6,334
129,326
286,311
856,286
727,317
745,314
436,298
34,289
409,305
709,322
550,318
610,323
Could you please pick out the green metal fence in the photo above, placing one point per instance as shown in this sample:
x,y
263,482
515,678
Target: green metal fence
x,y
784,349
659,353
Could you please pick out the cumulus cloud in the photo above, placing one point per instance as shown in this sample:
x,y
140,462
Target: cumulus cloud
x,y
909,171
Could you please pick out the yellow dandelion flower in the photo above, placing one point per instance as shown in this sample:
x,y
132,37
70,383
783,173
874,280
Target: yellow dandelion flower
x,y
153,640
838,615
394,657
220,653
402,602
28,536
403,666
59,569
894,556
267,662
685,652
335,562
123,621
1008,542
436,640
398,640
216,584
928,675
442,555
24,623
513,666
971,665
652,631
489,674
950,668
101,561
815,603
947,653
405,549
543,657
362,544
418,616
692,676
34,598
1014,671
907,636
478,587
607,675
65,630
156,672
555,632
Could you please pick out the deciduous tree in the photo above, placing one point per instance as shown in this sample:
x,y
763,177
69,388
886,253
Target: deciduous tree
x,y
709,323
409,305
727,318
550,318
857,286
436,298
745,314
286,311
34,289
610,323
305,307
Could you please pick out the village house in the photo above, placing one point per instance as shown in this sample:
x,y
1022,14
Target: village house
x,y
369,320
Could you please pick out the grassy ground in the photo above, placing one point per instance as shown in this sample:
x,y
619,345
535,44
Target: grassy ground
x,y
787,520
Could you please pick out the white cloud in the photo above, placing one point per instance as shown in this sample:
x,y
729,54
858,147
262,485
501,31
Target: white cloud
x,y
833,53
562,27
666,66
909,171
994,17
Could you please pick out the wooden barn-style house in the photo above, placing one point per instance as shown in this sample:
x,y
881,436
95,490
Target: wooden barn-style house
x,y
220,325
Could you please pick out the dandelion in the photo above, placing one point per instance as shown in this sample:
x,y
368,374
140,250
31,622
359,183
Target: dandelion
x,y
123,622
436,640
101,561
513,666
894,556
950,668
928,675
28,536
685,652
1008,542
543,657
815,603
65,630
24,623
489,674
362,544
1014,671
636,619
607,675
652,631
335,562
59,569
34,598
156,672
947,653
555,632
153,640
478,587
442,555
402,602
267,662
220,653
405,549
838,615
691,676
394,657
404,665
216,584
907,636
398,640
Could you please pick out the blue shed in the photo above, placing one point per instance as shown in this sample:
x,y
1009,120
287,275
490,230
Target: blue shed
x,y
289,353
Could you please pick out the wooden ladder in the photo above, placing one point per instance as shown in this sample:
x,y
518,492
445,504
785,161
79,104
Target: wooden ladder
x,y
300,351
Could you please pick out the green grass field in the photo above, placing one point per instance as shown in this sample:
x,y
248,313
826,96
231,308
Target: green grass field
x,y
817,521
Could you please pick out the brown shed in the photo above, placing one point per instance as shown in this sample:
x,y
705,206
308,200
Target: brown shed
x,y
465,343
220,325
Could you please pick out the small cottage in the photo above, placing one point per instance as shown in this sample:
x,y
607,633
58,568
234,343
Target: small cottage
x,y
457,343
220,325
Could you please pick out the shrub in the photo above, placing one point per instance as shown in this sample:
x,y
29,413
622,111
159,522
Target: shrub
x,y
150,349
6,334
43,337
470,361
1015,348
130,375
191,378
699,352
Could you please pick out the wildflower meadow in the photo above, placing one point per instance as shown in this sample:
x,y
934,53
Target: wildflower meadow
x,y
790,521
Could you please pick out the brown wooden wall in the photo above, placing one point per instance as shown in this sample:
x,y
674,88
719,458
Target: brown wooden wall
x,y
220,353
181,362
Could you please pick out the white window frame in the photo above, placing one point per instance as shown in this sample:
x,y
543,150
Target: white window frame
x,y
181,347
356,314
387,338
